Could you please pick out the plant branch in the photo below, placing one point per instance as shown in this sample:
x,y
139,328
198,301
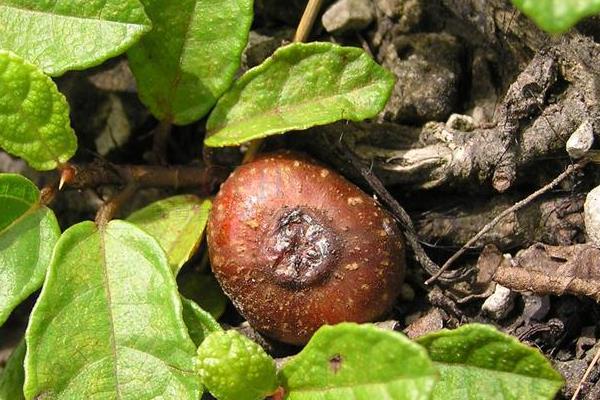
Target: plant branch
x,y
162,133
403,218
308,19
517,206
102,173
112,206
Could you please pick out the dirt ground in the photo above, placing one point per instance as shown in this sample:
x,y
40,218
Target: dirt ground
x,y
482,110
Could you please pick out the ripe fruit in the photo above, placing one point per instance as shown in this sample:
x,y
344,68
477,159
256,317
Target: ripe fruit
x,y
296,246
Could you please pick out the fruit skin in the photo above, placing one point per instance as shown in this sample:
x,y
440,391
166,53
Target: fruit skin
x,y
296,246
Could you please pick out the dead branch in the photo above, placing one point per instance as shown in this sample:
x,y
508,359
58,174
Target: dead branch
x,y
557,270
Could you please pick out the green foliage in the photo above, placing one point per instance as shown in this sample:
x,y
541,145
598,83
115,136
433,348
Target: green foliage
x,y
199,323
34,116
191,56
300,86
232,367
557,16
13,376
63,35
350,361
478,362
204,290
28,232
109,321
177,223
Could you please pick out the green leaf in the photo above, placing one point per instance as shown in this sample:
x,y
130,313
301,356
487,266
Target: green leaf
x,y
363,362
108,322
34,115
478,362
300,86
177,223
13,376
28,233
557,16
204,290
233,367
199,323
191,56
62,35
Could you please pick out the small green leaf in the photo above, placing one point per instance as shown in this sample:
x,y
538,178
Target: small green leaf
x,y
177,223
233,367
199,323
34,115
300,86
204,290
478,362
64,35
557,16
191,56
28,233
108,322
13,376
363,362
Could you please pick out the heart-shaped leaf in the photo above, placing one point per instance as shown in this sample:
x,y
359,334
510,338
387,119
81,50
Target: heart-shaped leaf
x,y
13,376
300,86
557,16
64,35
108,321
199,323
478,362
363,362
233,367
28,233
34,115
191,56
177,223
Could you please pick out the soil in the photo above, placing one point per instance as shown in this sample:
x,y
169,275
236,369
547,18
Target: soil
x,y
480,115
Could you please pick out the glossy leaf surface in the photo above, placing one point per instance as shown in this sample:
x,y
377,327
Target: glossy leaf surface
x,y
204,289
64,35
28,233
362,362
177,223
199,323
34,115
301,85
557,16
13,376
108,322
191,56
478,362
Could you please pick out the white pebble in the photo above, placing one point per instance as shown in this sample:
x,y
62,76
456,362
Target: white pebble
x,y
591,214
581,140
499,304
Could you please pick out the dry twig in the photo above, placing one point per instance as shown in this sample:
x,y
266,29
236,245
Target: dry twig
x,y
586,374
517,206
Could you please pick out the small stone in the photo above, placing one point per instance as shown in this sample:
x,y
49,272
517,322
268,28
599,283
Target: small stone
x,y
428,71
536,307
391,8
581,140
459,122
499,304
591,214
432,321
348,15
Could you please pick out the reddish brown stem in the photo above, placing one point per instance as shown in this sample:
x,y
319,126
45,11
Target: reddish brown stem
x,y
97,174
